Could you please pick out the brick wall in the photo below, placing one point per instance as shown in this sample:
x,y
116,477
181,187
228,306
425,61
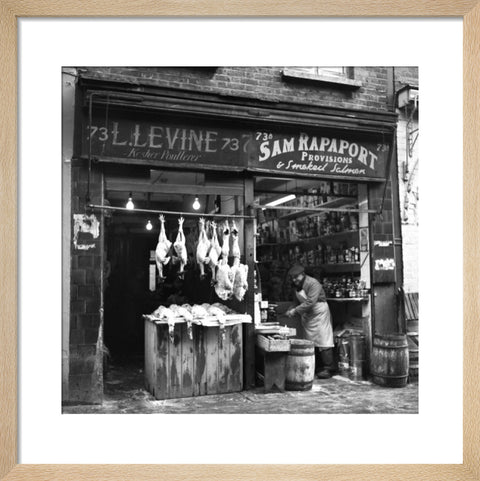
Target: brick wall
x,y
86,350
406,75
408,166
265,83
410,257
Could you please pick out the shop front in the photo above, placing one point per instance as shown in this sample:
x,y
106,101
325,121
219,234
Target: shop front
x,y
188,212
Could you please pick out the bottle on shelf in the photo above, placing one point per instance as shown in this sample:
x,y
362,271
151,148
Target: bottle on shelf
x,y
316,232
353,220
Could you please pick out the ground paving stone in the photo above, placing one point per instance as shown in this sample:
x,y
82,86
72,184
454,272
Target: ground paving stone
x,y
124,393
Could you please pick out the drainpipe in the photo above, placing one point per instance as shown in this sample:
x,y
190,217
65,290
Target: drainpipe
x,y
69,83
396,214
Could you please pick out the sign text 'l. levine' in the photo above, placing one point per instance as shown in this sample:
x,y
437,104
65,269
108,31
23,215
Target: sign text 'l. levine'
x,y
153,142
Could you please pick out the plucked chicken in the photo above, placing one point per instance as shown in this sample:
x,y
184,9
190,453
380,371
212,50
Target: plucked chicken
x,y
165,314
225,240
214,252
215,242
202,247
224,285
235,245
220,315
181,311
180,247
217,312
240,284
163,246
222,307
199,312
188,307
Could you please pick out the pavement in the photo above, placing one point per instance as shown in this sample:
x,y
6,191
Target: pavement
x,y
125,393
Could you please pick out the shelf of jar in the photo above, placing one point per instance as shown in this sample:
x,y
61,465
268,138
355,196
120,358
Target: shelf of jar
x,y
332,268
306,240
333,204
335,235
341,267
348,299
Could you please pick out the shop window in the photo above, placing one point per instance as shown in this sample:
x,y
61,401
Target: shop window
x,y
326,243
340,76
316,223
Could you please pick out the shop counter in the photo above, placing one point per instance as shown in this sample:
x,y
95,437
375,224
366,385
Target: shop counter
x,y
194,359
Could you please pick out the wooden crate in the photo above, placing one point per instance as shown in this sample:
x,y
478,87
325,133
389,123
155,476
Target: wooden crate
x,y
272,345
209,363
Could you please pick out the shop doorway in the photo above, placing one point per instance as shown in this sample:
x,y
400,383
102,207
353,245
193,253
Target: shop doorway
x,y
132,286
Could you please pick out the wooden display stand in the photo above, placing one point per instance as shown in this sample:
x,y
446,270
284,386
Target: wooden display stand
x,y
209,361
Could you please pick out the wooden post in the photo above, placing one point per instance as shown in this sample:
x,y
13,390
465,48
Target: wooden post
x,y
365,271
249,329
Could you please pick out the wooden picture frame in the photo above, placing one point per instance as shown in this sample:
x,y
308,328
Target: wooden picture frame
x,y
10,11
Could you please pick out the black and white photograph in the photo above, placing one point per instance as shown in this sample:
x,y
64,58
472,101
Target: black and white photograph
x,y
240,240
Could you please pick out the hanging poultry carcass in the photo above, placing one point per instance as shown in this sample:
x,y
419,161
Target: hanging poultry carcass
x,y
180,247
238,270
224,285
163,247
235,245
225,240
214,252
202,247
240,284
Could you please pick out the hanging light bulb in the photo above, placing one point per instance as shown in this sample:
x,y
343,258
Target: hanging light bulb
x,y
149,225
130,205
196,203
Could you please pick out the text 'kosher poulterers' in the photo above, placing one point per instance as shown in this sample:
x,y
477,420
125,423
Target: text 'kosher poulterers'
x,y
311,148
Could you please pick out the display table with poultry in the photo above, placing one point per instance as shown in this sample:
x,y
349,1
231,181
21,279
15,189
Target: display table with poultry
x,y
193,351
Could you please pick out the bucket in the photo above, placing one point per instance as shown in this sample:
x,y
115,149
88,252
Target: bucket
x,y
390,360
343,352
300,369
357,357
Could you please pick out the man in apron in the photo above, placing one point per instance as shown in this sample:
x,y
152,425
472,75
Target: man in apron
x,y
312,307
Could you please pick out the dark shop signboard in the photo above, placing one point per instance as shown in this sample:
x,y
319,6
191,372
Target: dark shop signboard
x,y
168,143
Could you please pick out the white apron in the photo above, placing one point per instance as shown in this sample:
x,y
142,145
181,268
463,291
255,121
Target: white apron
x,y
317,324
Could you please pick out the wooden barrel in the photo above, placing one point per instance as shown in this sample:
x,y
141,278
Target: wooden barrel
x,y
357,357
412,361
300,369
389,363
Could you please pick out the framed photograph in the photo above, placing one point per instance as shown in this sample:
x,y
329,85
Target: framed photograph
x,y
304,176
